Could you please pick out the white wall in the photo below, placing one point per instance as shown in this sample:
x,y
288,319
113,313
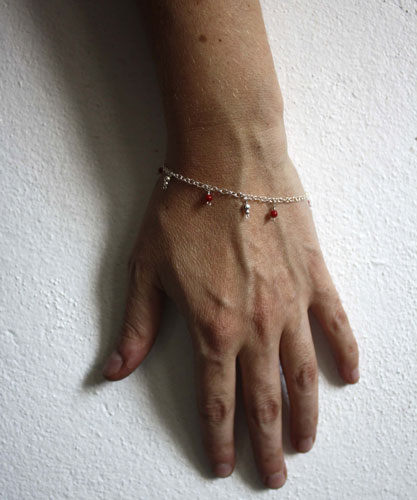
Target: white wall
x,y
81,135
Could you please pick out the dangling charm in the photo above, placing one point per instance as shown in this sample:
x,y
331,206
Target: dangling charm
x,y
167,178
273,213
308,200
209,198
246,209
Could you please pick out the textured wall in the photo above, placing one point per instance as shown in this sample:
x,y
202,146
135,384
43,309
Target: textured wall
x,y
81,134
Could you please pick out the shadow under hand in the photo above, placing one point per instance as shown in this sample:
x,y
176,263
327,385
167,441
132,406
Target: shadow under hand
x,y
100,61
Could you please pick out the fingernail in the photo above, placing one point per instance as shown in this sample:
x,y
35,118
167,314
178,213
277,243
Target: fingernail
x,y
113,364
222,470
275,480
305,444
355,375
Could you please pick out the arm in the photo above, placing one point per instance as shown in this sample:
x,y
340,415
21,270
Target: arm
x,y
244,285
218,82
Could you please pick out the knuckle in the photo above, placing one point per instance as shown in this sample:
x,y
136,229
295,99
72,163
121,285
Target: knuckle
x,y
262,314
261,323
352,350
339,321
324,289
321,280
315,258
294,321
306,375
215,410
219,334
316,264
218,447
310,420
272,456
130,331
138,270
219,325
266,411
216,344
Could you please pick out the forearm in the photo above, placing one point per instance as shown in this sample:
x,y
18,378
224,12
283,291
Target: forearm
x,y
218,81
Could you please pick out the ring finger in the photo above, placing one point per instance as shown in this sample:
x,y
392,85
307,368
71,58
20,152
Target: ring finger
x,y
299,365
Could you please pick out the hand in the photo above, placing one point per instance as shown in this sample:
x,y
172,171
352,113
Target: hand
x,y
244,287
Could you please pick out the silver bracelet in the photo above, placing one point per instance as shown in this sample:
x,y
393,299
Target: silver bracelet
x,y
273,213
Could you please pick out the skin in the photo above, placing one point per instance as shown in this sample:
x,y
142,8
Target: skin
x,y
244,285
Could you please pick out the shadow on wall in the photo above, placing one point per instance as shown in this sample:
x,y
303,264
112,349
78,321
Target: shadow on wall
x,y
104,63
101,55
102,60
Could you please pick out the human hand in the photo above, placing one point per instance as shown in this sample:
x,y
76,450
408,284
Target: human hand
x,y
245,287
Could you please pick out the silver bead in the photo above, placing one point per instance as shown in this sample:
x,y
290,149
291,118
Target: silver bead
x,y
167,178
273,211
246,208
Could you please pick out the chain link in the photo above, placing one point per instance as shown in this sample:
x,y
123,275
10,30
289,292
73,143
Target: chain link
x,y
236,194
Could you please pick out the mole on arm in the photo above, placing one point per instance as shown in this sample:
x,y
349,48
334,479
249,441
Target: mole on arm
x,y
202,38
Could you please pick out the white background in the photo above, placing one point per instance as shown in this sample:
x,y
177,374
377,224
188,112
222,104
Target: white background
x,y
81,137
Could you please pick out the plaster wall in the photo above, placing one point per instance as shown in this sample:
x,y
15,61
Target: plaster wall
x,y
81,136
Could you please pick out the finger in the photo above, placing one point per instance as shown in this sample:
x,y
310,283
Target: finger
x,y
328,309
140,325
215,378
299,365
262,398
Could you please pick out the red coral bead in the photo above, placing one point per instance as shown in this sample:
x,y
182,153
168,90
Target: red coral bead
x,y
273,213
209,197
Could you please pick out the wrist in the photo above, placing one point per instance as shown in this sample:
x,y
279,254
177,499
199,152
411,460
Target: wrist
x,y
218,150
242,156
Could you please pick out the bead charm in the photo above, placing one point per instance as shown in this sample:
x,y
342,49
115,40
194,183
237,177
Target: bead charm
x,y
246,209
209,198
308,199
167,178
273,213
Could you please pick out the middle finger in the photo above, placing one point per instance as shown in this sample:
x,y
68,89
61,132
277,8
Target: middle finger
x,y
262,397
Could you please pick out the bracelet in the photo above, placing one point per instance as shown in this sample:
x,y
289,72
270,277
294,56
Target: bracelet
x,y
273,213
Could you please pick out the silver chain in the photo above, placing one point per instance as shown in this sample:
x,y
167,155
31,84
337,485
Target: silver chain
x,y
236,194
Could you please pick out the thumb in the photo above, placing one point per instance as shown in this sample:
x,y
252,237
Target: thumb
x,y
140,325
